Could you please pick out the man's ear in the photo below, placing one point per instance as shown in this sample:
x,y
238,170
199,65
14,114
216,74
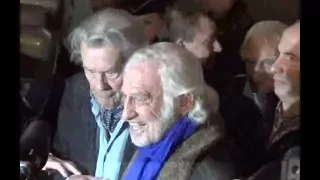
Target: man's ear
x,y
185,103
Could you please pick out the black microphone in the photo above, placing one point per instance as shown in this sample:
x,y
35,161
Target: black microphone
x,y
34,148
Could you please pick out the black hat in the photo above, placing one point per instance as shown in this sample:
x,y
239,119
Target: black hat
x,y
141,7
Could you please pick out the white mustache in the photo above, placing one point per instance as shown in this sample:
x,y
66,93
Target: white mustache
x,y
278,78
134,122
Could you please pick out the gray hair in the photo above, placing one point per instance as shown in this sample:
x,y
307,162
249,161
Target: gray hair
x,y
269,31
181,20
110,26
181,74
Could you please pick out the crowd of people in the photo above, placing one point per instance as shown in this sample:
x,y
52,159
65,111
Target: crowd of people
x,y
179,90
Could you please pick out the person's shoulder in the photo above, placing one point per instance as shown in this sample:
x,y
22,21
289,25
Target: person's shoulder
x,y
76,89
215,164
78,82
209,168
287,167
76,78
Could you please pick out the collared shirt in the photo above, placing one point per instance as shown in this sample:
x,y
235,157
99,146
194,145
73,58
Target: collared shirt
x,y
283,125
111,149
248,92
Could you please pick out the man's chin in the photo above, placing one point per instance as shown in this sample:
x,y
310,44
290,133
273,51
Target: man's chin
x,y
109,101
281,92
109,104
139,142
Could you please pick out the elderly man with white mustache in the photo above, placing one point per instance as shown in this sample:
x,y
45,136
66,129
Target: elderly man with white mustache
x,y
172,115
284,141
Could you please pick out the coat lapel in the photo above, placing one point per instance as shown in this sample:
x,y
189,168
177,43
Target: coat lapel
x,y
90,126
127,156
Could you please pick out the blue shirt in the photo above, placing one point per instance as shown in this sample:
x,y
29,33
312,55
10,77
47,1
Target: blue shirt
x,y
110,152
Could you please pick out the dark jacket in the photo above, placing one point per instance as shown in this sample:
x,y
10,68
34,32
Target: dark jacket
x,y
193,159
280,161
284,138
248,128
76,136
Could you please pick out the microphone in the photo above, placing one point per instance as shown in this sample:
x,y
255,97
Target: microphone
x,y
34,148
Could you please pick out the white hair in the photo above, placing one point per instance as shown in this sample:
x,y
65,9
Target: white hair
x,y
269,31
181,74
113,27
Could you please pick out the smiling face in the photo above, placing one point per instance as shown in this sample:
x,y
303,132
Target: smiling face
x,y
143,102
103,67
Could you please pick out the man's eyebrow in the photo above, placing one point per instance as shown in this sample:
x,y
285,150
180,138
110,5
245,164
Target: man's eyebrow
x,y
291,54
139,90
107,71
269,60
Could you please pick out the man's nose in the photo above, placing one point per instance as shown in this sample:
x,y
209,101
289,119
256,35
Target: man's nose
x,y
276,66
128,110
101,83
217,47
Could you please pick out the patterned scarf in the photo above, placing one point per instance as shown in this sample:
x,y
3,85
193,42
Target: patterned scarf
x,y
109,118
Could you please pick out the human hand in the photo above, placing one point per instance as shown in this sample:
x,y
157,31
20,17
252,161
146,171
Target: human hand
x,y
62,166
84,177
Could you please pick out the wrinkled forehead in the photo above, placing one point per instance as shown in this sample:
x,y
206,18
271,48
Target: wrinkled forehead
x,y
100,58
290,41
261,47
142,75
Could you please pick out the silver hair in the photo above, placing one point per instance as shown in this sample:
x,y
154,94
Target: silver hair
x,y
181,20
181,74
269,31
113,27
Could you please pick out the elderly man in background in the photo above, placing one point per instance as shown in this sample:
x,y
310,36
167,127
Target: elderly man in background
x,y
252,115
151,13
172,115
193,30
91,138
259,51
284,139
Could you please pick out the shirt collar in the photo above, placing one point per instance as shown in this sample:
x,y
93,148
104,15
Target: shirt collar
x,y
247,91
96,107
96,110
